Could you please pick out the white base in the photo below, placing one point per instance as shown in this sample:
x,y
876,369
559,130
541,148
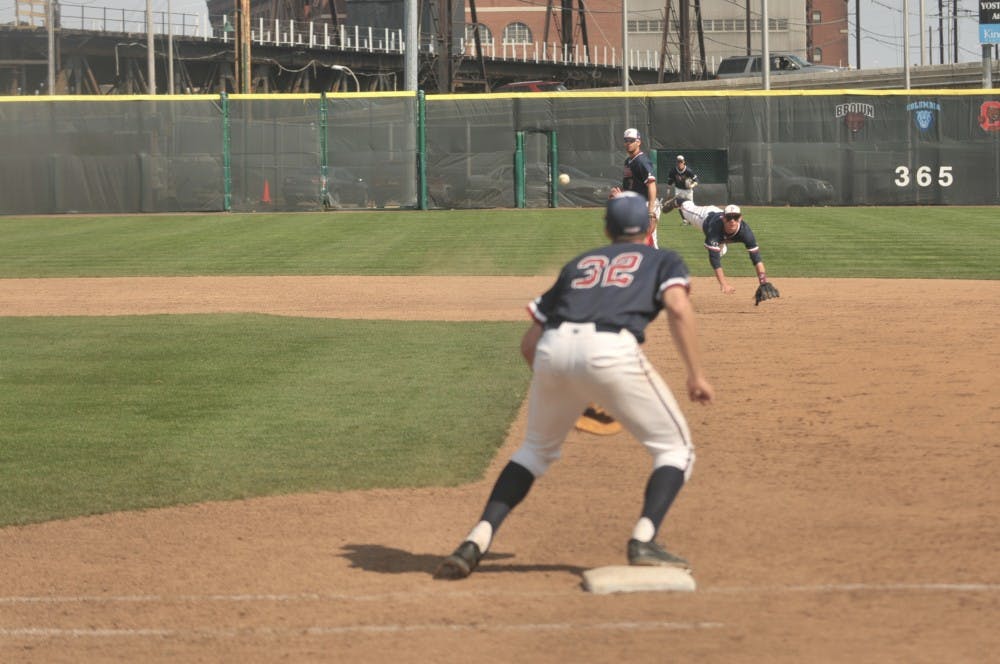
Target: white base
x,y
629,579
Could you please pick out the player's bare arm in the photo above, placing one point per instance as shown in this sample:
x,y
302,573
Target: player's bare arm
x,y
529,341
761,272
683,328
723,284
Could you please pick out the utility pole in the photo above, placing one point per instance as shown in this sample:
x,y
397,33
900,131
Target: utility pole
x,y
857,33
411,54
923,56
50,21
685,37
940,32
625,48
170,50
246,84
954,29
749,52
906,44
150,50
765,60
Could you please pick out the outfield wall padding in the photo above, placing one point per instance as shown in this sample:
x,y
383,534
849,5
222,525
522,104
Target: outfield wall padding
x,y
312,152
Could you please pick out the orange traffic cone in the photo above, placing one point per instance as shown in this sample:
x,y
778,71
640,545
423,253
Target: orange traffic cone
x,y
266,196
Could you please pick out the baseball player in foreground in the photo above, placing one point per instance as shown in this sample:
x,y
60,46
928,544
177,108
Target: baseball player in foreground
x,y
638,177
583,346
720,228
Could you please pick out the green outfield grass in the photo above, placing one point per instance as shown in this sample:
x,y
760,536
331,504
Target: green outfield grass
x,y
109,413
897,242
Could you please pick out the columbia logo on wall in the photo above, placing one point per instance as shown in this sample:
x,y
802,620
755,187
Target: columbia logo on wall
x,y
923,113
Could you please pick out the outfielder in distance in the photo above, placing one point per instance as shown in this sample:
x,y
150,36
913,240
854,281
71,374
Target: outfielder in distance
x,y
720,228
683,180
583,346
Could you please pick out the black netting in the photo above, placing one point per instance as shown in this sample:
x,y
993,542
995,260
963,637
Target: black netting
x,y
293,152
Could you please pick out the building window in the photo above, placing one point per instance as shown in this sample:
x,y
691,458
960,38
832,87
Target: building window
x,y
817,55
485,36
817,17
637,26
517,33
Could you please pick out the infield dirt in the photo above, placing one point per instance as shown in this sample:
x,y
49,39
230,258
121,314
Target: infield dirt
x,y
843,507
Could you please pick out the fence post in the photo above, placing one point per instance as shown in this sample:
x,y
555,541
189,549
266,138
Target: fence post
x,y
421,151
519,170
324,192
553,170
227,173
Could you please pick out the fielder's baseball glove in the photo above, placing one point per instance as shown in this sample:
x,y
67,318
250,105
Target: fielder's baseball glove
x,y
690,183
596,420
765,291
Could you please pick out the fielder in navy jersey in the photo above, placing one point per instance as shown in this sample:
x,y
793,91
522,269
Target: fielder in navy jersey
x,y
722,227
683,180
638,176
584,346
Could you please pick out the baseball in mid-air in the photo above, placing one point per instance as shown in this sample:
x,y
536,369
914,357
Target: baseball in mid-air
x,y
563,178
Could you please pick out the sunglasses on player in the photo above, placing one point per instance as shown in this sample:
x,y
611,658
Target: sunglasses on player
x,y
732,217
631,140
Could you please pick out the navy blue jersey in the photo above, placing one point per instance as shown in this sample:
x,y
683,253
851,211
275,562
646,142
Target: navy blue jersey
x,y
638,174
715,237
678,178
618,286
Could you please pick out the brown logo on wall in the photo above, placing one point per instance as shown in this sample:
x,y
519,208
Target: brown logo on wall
x,y
854,114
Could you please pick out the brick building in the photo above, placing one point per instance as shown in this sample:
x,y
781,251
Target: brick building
x,y
813,29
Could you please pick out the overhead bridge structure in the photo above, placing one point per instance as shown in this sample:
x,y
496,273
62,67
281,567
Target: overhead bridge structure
x,y
104,51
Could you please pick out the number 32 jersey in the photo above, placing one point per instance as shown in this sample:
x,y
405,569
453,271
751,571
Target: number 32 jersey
x,y
618,286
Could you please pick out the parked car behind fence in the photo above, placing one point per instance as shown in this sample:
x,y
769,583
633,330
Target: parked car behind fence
x,y
738,66
786,187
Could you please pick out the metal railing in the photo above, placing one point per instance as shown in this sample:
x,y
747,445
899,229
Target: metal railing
x,y
69,16
275,32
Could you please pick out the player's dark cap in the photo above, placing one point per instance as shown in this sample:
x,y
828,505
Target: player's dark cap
x,y
627,214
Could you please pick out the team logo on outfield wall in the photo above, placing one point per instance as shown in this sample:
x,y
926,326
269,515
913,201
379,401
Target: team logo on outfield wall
x,y
989,116
854,114
923,113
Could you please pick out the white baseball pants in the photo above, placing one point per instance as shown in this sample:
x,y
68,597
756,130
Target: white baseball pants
x,y
576,365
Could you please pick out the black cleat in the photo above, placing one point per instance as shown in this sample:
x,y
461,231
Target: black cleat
x,y
651,554
461,563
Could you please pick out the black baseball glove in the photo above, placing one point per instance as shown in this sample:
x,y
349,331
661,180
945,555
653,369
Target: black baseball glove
x,y
765,291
